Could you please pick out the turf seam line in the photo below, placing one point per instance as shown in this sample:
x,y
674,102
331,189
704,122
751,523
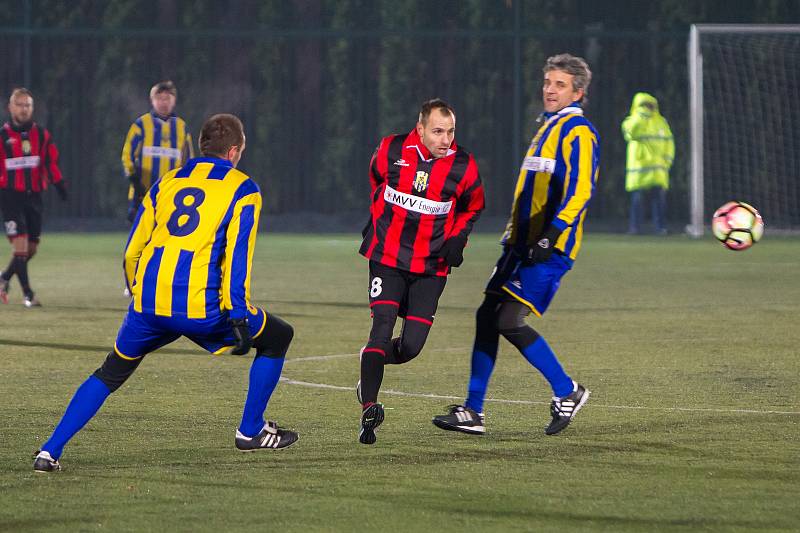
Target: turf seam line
x,y
289,381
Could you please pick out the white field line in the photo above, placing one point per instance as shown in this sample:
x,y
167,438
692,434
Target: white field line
x,y
390,392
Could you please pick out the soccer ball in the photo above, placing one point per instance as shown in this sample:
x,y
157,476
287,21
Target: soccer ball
x,y
737,225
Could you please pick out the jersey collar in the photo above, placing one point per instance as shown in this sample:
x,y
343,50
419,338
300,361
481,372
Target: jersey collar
x,y
159,117
572,109
19,128
213,160
413,141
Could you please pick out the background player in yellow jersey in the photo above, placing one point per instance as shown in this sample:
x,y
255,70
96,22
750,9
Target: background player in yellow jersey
x,y
188,263
157,142
541,241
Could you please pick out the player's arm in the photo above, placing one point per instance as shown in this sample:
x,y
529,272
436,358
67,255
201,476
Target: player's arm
x,y
469,204
241,241
50,164
188,149
378,170
470,201
379,165
3,171
131,155
579,150
141,232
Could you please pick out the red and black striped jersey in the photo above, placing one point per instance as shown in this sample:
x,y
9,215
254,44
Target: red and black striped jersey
x,y
28,158
418,202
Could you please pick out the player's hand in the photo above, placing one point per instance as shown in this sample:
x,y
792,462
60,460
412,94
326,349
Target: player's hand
x,y
61,189
543,249
244,341
452,251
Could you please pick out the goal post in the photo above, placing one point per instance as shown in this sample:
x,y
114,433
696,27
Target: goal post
x,y
744,120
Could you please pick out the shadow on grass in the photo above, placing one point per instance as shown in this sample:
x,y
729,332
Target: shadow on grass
x,y
87,347
566,516
181,476
123,310
56,522
352,305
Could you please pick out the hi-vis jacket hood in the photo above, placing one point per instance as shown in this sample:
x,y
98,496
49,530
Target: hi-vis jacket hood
x,y
651,147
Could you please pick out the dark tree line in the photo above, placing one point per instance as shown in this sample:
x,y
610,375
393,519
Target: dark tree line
x,y
318,82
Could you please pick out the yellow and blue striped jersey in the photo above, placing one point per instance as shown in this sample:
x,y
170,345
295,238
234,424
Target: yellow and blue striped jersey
x,y
555,182
190,250
155,146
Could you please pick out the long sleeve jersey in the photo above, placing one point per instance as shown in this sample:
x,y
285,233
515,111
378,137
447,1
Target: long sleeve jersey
x,y
418,202
154,146
555,182
28,158
190,250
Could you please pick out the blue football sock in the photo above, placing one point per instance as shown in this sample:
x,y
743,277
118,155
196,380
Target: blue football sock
x,y
264,375
482,366
83,406
542,357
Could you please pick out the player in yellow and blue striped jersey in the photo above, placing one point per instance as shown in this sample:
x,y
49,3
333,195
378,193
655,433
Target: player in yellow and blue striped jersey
x,y
188,267
541,241
156,143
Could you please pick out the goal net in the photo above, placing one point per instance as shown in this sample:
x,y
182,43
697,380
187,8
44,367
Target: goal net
x,y
745,121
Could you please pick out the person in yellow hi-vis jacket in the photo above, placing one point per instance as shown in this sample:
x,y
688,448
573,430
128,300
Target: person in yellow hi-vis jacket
x,y
157,142
651,150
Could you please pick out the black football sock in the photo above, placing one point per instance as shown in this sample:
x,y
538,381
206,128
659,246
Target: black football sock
x,y
393,355
8,273
372,361
21,269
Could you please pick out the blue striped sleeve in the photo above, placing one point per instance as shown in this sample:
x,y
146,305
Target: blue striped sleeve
x,y
240,264
579,151
240,243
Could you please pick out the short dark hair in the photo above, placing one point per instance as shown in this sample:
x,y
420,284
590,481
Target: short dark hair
x,y
430,105
219,134
20,91
165,86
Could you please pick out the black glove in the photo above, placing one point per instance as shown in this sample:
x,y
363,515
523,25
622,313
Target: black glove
x,y
61,189
543,249
452,251
244,341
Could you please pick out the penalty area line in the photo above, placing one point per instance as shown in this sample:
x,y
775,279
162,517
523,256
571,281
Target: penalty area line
x,y
390,392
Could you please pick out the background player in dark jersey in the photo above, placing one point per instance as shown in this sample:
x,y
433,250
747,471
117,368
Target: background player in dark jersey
x,y
188,264
28,160
426,195
543,236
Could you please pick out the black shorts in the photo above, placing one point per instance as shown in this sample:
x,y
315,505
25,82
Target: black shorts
x,y
22,214
415,295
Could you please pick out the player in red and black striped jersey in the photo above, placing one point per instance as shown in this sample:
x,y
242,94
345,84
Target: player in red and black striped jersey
x,y
28,161
426,196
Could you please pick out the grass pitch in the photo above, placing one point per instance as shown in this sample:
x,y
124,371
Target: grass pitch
x,y
690,352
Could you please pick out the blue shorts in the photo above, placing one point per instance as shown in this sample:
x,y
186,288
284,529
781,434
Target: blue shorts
x,y
143,333
533,285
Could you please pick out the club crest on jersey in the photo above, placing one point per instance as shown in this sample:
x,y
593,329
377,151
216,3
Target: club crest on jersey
x,y
421,181
26,147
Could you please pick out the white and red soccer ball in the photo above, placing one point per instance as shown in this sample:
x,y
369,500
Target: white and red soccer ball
x,y
737,225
